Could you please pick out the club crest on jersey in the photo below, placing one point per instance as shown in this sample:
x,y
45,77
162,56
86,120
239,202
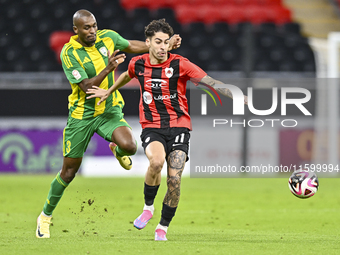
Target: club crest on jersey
x,y
103,51
147,97
169,72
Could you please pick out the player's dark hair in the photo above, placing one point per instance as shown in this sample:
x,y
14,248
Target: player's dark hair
x,y
158,26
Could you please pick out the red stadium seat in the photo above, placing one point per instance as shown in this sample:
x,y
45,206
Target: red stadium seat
x,y
208,14
150,4
231,14
194,2
133,4
186,14
154,5
170,3
229,11
256,14
278,14
269,2
130,4
220,2
210,2
57,41
245,2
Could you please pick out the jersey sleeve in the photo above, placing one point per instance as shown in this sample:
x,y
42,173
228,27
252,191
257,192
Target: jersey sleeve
x,y
192,71
131,68
122,43
74,72
119,42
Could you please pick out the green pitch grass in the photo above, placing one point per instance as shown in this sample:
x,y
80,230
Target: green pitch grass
x,y
215,216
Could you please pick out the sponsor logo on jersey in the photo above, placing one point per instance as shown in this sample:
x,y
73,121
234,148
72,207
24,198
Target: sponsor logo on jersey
x,y
169,72
147,97
174,95
155,83
76,74
103,51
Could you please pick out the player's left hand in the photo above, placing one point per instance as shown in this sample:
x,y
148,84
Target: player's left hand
x,y
97,92
175,42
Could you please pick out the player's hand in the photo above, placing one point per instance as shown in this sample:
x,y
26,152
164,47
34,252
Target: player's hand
x,y
175,42
97,92
114,60
245,99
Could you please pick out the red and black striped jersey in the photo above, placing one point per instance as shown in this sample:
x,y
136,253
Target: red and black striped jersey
x,y
163,86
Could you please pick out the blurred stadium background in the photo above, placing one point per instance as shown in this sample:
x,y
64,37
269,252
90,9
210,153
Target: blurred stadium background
x,y
265,40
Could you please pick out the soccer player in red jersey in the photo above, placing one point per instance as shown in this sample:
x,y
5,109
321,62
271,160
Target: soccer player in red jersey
x,y
163,113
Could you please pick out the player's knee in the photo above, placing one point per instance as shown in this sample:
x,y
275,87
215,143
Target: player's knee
x,y
67,177
177,159
68,174
156,165
129,147
70,168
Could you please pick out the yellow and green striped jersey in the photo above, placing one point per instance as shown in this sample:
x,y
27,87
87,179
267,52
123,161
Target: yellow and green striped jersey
x,y
81,63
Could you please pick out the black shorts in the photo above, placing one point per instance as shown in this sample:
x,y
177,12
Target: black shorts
x,y
175,138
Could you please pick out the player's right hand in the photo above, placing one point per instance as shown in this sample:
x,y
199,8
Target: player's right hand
x,y
97,92
114,60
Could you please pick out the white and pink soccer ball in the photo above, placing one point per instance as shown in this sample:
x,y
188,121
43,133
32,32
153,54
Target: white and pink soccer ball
x,y
303,184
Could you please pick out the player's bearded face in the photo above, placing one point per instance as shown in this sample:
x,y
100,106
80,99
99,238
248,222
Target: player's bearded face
x,y
87,30
158,46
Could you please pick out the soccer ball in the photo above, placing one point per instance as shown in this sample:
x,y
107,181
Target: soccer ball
x,y
303,184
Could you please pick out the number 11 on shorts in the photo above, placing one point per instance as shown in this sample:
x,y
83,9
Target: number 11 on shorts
x,y
182,138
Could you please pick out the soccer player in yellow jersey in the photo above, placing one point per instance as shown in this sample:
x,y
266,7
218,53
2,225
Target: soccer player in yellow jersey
x,y
89,59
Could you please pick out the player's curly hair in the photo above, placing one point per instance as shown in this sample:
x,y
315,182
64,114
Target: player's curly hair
x,y
158,26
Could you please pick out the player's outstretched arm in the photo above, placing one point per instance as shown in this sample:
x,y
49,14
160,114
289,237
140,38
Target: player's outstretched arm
x,y
103,94
113,61
224,91
136,46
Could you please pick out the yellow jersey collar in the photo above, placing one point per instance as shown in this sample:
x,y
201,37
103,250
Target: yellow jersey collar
x,y
77,45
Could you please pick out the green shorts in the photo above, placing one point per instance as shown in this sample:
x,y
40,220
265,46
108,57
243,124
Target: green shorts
x,y
77,133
